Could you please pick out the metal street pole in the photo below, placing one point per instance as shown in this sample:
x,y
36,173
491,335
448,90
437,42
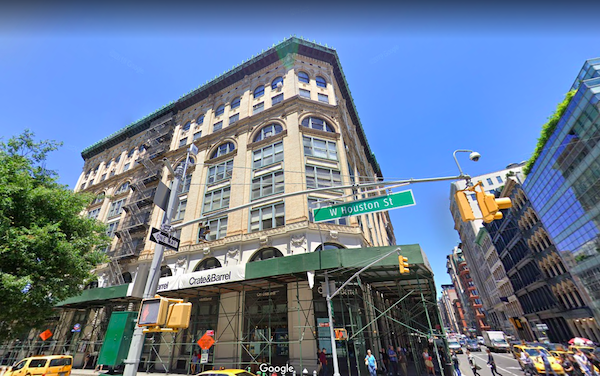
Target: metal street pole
x,y
137,341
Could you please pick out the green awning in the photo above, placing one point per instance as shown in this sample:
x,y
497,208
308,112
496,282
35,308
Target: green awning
x,y
97,294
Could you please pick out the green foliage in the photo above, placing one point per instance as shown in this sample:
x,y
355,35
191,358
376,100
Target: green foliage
x,y
47,249
547,130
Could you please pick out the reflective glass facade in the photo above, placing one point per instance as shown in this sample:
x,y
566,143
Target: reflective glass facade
x,y
564,184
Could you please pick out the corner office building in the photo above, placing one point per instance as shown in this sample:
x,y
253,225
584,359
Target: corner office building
x,y
281,122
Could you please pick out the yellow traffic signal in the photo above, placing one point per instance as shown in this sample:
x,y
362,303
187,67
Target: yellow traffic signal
x,y
403,262
179,315
464,206
153,312
490,205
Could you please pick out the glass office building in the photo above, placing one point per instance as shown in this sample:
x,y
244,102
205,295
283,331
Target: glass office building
x,y
564,184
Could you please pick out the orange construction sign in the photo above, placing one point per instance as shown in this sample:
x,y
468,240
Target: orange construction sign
x,y
45,334
206,342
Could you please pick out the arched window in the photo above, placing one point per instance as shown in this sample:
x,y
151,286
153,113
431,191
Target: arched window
x,y
130,154
329,246
265,254
109,163
191,162
165,271
227,147
123,188
220,110
127,277
318,124
321,82
87,174
268,131
99,198
303,77
187,126
259,91
276,82
200,119
140,149
235,103
207,264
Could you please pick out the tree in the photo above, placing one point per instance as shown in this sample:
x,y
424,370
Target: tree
x,y
47,249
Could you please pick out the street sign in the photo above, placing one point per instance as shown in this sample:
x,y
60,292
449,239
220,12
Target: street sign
x,y
161,196
205,342
163,238
369,205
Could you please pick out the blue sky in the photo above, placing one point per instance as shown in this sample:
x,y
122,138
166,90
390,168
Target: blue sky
x,y
425,82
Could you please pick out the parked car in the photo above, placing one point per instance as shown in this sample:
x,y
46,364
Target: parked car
x,y
473,345
46,365
480,340
455,346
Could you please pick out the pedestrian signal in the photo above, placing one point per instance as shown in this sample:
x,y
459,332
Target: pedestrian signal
x,y
153,312
340,334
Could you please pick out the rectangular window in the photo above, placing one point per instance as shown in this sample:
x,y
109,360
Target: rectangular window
x,y
320,177
220,172
218,229
116,208
182,142
489,181
217,199
112,173
267,217
234,118
268,155
184,186
499,179
317,202
305,93
320,148
268,184
323,98
103,177
111,228
218,126
126,167
276,99
180,210
94,213
197,135
258,107
82,186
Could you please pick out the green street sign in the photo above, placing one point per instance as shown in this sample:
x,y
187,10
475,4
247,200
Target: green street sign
x,y
369,205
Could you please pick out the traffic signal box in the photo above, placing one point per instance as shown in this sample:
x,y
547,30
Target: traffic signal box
x,y
403,262
161,314
488,204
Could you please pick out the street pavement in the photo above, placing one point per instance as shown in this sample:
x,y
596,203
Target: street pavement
x,y
506,364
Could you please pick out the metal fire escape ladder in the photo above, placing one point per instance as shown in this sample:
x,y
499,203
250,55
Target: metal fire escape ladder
x,y
117,273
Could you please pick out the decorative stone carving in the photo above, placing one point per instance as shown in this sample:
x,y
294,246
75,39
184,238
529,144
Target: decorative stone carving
x,y
206,251
298,243
232,253
333,235
265,241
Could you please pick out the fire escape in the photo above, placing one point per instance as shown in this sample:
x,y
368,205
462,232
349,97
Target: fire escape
x,y
138,207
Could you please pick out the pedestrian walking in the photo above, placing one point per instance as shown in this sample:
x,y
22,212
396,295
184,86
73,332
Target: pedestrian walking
x,y
402,362
473,363
371,363
384,361
547,366
86,359
492,363
584,363
323,359
455,363
528,365
566,365
576,369
428,362
393,361
319,365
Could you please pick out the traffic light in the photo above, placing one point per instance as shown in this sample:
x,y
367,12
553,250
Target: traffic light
x,y
490,205
153,312
179,315
403,262
464,206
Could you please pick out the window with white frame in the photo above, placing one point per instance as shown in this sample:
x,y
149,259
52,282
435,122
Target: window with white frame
x,y
276,99
223,149
123,188
98,199
322,177
184,186
305,93
267,184
258,107
217,199
317,202
267,217
268,131
220,172
234,118
319,148
94,213
317,123
218,229
180,213
323,98
267,155
111,228
218,126
115,208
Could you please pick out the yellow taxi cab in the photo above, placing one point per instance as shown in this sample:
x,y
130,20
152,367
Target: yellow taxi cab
x,y
42,365
535,353
585,349
226,372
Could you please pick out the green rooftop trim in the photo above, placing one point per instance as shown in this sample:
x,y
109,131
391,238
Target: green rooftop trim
x,y
547,130
283,46
97,294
